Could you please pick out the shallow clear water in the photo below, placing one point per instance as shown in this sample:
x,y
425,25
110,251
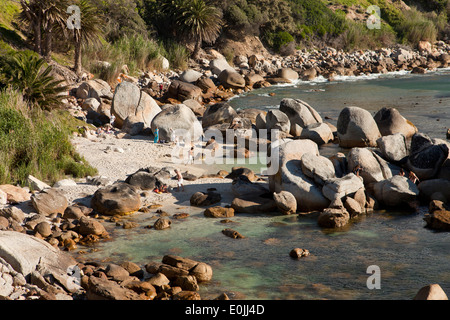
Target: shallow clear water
x,y
259,267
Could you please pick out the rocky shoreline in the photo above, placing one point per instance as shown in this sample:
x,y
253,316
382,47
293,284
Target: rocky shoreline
x,y
389,164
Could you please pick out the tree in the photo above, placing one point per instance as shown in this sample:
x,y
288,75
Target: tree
x,y
89,31
32,14
28,72
44,17
195,19
54,18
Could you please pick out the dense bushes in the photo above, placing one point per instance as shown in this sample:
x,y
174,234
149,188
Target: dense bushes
x,y
36,142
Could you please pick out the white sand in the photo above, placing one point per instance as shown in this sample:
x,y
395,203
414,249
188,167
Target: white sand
x,y
141,152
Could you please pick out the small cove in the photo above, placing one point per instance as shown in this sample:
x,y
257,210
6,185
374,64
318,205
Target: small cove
x,y
259,266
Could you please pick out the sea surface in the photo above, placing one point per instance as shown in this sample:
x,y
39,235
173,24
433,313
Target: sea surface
x,y
408,255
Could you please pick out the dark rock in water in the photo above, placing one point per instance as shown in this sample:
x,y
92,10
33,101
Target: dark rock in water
x,y
219,212
232,234
89,226
438,220
426,157
162,223
119,198
333,218
448,134
298,253
143,180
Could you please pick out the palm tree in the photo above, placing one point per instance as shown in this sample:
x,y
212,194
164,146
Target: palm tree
x,y
89,31
28,72
43,17
54,18
196,19
32,14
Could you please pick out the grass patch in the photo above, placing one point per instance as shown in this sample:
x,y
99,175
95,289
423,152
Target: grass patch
x,y
137,53
36,142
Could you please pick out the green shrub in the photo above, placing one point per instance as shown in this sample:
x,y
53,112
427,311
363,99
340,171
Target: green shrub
x,y
27,72
138,53
36,142
278,40
177,54
418,27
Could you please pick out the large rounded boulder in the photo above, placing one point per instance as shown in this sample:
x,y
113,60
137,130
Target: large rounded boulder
x,y
395,191
117,199
357,128
179,119
300,114
230,79
217,114
426,156
278,120
130,101
25,253
390,121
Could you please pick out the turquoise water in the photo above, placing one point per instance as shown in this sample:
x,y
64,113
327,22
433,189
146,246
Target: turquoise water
x,y
259,266
422,99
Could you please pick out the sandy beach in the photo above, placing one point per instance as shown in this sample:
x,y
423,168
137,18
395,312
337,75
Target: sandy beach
x,y
141,152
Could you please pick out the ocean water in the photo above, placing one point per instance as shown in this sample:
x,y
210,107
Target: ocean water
x,y
259,267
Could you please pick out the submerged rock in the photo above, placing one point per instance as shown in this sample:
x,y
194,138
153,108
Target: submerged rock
x,y
219,212
333,218
232,234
